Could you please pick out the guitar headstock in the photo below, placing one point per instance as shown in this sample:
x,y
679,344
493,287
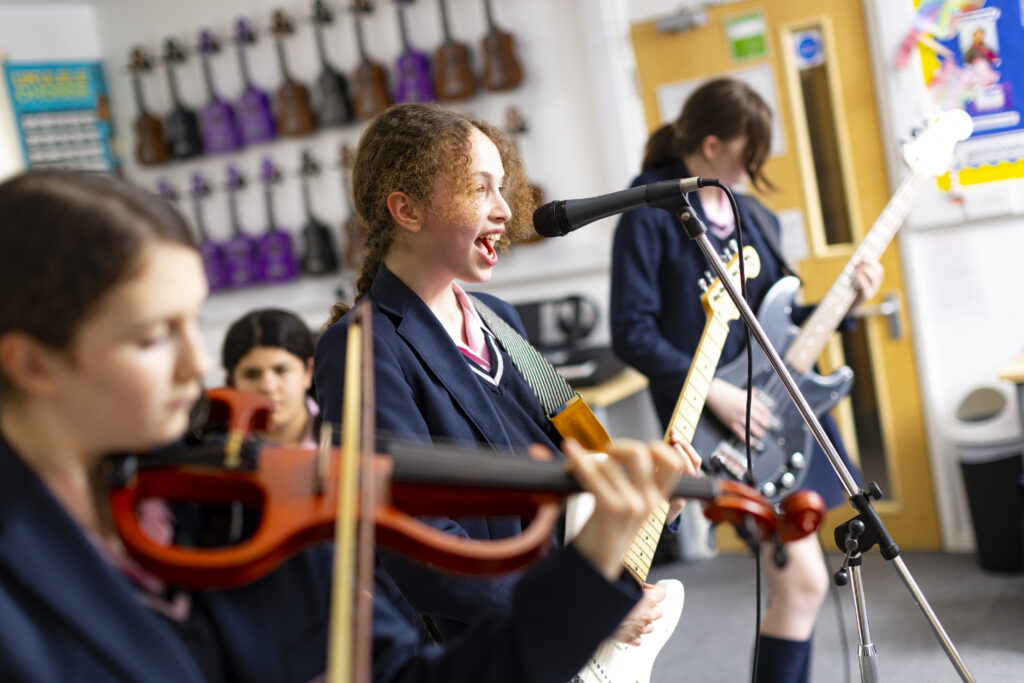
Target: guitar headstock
x,y
322,14
269,172
200,185
281,24
174,51
310,164
167,190
716,299
244,33
362,6
209,43
931,153
139,60
236,181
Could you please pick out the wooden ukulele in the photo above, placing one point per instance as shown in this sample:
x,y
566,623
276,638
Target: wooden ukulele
x,y
184,139
245,267
217,118
413,67
214,263
150,148
277,253
369,80
453,74
501,68
352,228
333,104
320,256
294,113
252,110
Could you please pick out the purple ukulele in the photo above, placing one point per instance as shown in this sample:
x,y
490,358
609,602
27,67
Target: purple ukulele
x,y
214,263
275,245
413,68
217,119
252,110
245,267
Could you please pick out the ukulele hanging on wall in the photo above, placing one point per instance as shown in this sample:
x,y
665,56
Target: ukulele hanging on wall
x,y
217,118
453,65
252,110
412,68
294,113
369,80
214,263
352,228
245,266
275,244
150,147
184,140
333,104
320,256
501,68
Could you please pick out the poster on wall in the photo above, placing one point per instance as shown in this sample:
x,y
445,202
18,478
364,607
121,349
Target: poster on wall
x,y
62,115
973,58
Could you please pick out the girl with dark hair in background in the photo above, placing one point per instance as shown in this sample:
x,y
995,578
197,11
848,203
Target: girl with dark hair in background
x,y
723,132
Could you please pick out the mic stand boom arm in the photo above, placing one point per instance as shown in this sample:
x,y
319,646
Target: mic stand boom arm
x,y
875,532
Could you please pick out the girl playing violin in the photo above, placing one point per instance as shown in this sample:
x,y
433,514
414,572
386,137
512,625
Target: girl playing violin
x,y
100,352
440,194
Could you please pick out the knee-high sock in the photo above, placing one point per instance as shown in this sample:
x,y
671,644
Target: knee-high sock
x,y
783,661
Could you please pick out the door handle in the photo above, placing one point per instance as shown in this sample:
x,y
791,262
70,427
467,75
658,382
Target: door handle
x,y
888,308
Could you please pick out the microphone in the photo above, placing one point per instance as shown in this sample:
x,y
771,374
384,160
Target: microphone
x,y
561,217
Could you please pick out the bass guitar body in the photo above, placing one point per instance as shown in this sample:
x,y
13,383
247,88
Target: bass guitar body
x,y
780,459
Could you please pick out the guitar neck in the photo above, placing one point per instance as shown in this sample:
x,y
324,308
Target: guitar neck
x,y
197,209
279,46
137,93
236,228
243,66
687,412
208,78
807,346
321,50
491,28
172,85
360,44
268,202
403,32
307,205
444,23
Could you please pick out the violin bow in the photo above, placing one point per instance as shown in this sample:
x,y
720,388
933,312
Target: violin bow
x,y
351,617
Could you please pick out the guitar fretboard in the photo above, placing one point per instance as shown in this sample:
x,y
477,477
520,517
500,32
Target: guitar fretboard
x,y
810,341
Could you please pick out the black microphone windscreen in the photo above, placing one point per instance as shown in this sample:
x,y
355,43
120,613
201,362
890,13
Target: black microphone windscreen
x,y
549,220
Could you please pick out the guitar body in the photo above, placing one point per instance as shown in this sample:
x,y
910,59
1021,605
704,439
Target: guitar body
x,y
453,79
220,129
150,148
414,82
321,254
184,139
277,256
774,464
369,90
255,116
215,266
501,68
334,106
294,113
244,265
615,662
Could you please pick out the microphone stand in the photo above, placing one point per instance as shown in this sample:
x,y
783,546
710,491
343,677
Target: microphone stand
x,y
858,534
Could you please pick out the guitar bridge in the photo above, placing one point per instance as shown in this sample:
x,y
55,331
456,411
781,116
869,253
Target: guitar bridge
x,y
725,461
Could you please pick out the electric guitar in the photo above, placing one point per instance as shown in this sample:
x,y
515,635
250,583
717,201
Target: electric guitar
x,y
275,244
615,662
369,80
352,228
333,105
252,109
413,67
294,113
320,256
453,75
214,262
217,118
150,148
245,265
501,68
780,459
184,140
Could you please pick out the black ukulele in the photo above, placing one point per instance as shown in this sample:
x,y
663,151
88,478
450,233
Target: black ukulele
x,y
333,105
150,148
320,255
184,139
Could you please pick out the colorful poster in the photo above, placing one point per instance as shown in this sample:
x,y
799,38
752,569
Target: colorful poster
x,y
63,115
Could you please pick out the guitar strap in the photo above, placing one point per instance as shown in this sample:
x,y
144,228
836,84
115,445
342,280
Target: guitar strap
x,y
569,413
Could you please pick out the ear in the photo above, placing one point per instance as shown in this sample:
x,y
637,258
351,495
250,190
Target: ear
x,y
710,146
308,375
406,211
28,364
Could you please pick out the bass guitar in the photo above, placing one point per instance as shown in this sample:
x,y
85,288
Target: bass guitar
x,y
333,105
214,262
245,265
369,81
780,459
320,256
252,109
217,118
184,139
150,148
615,662
453,63
294,113
501,68
352,228
277,253
412,67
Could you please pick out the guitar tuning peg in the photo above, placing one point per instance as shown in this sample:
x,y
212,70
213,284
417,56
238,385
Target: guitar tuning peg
x,y
734,247
703,284
708,277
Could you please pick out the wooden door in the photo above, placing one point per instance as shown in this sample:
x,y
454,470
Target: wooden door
x,y
828,166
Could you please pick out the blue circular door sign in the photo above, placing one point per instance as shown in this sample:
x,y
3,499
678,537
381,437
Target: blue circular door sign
x,y
808,48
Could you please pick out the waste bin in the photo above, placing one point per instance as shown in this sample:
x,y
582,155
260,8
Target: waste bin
x,y
987,433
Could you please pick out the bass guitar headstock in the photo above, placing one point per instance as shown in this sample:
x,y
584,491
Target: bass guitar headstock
x,y
716,299
931,153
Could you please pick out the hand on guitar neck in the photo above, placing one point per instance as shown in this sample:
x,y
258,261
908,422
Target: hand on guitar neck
x,y
294,113
150,148
370,92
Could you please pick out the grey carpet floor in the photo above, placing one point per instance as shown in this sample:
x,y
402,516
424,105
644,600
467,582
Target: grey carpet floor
x,y
983,613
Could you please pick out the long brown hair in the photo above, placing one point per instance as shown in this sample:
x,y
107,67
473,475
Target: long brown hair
x,y
725,108
404,149
66,239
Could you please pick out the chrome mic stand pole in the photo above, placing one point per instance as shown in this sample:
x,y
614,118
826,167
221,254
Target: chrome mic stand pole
x,y
875,531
